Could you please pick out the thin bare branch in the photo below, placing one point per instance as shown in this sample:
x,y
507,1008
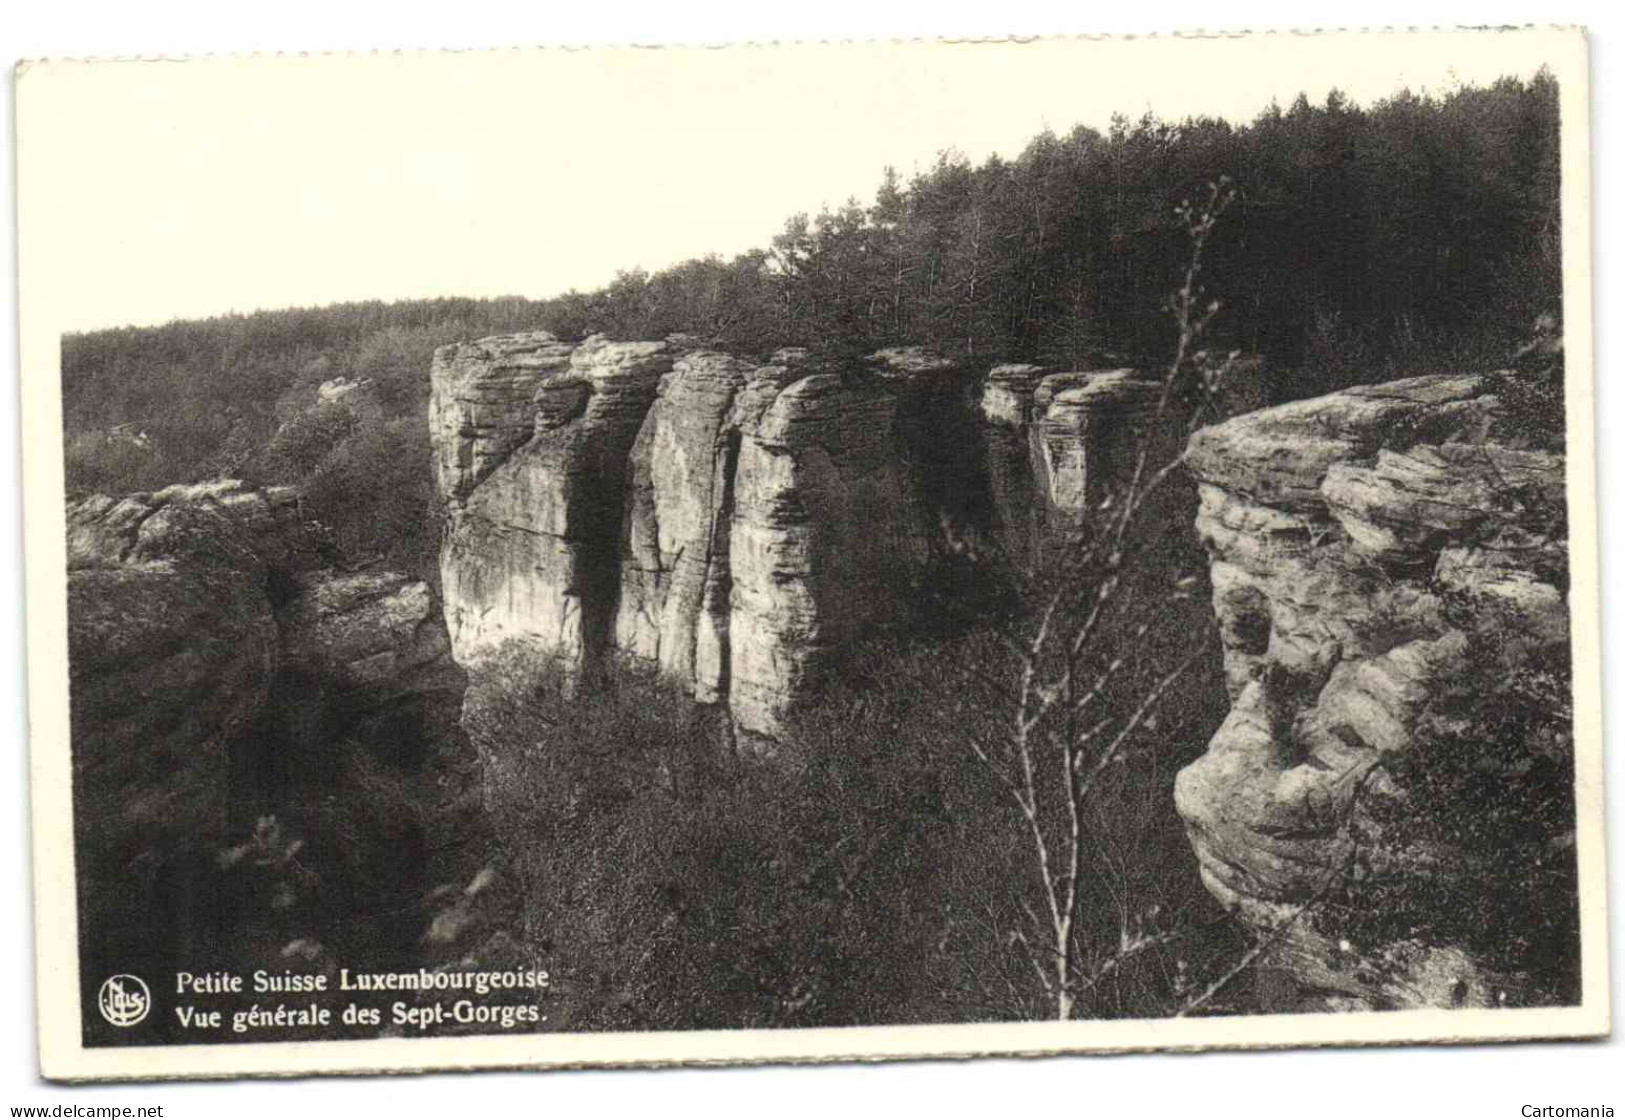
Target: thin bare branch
x,y
1151,698
1119,959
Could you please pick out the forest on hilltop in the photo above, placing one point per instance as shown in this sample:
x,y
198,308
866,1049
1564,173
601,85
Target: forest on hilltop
x,y
1419,233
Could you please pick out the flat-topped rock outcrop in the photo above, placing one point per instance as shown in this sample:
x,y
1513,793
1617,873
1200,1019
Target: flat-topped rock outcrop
x,y
1057,442
727,522
539,440
733,524
172,644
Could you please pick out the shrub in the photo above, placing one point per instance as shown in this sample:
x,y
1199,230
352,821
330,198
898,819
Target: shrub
x,y
301,444
1531,390
1470,843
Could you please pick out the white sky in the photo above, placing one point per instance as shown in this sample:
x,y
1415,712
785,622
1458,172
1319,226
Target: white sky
x,y
160,190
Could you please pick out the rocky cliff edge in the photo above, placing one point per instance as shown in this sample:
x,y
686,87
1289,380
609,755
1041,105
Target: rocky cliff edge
x,y
1372,552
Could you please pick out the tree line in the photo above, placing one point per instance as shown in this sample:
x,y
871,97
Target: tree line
x,y
1420,232
1420,228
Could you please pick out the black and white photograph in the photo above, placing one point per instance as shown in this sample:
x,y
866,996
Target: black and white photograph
x,y
810,552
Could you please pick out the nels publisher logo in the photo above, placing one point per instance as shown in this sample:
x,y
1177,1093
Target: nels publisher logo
x,y
124,1000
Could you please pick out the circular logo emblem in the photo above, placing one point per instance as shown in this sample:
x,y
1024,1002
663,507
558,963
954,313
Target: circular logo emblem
x,y
124,1000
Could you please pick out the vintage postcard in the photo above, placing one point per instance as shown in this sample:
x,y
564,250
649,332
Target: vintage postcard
x,y
808,552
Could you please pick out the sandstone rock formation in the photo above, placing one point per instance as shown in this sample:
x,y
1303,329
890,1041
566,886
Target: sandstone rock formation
x,y
171,650
825,542
1057,442
375,631
727,523
1007,397
1367,548
767,522
187,604
532,439
216,663
1016,491
364,657
676,575
224,521
733,524
1090,434
481,405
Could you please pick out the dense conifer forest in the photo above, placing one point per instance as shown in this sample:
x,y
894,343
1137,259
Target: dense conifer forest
x,y
1419,232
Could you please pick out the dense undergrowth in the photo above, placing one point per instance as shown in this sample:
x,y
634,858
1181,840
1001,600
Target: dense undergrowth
x,y
868,872
1470,843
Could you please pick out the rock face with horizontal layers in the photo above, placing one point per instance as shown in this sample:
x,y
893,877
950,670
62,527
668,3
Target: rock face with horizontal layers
x,y
533,476
728,523
1089,434
826,541
482,405
731,524
1366,548
1056,444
